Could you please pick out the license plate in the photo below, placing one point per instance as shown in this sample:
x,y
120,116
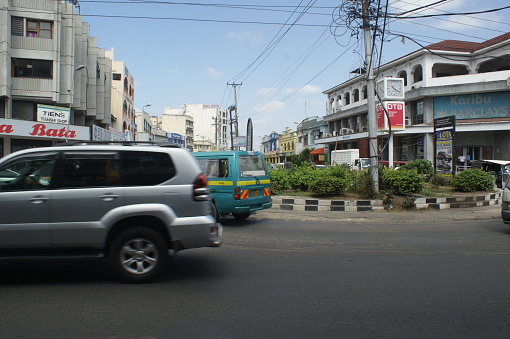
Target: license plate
x,y
255,193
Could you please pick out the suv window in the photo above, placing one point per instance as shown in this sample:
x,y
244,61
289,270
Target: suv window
x,y
90,169
147,168
32,172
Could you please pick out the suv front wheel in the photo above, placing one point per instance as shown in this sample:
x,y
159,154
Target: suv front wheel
x,y
139,255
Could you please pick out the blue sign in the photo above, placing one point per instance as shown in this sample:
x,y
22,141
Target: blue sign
x,y
473,106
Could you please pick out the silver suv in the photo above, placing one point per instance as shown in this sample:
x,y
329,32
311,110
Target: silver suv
x,y
127,202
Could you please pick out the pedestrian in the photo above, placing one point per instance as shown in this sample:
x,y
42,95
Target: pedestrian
x,y
462,161
468,159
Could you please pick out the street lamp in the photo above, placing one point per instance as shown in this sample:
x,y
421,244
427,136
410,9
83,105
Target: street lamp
x,y
149,104
71,101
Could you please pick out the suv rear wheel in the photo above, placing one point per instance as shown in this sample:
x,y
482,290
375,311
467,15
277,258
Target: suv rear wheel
x,y
139,255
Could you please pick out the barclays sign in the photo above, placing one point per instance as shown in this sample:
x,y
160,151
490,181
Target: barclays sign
x,y
473,106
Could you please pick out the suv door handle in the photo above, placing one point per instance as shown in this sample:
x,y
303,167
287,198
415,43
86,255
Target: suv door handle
x,y
38,199
109,197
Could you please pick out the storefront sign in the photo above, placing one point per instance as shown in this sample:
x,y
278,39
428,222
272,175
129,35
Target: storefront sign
x,y
474,106
101,134
444,151
396,115
21,128
52,114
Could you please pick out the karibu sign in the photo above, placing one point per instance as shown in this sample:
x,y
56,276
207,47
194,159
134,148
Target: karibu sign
x,y
396,115
53,114
21,128
473,106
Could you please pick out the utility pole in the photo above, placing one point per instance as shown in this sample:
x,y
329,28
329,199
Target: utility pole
x,y
235,107
372,119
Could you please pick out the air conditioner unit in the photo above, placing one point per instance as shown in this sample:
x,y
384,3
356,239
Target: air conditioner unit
x,y
328,135
350,131
316,137
345,131
335,133
364,128
408,122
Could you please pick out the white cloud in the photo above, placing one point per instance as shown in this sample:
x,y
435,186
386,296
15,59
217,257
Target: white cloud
x,y
271,106
305,89
173,70
213,72
267,91
246,36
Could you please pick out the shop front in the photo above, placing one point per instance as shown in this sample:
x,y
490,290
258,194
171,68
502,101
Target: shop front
x,y
16,135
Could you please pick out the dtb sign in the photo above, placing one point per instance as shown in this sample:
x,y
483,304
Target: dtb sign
x,y
395,116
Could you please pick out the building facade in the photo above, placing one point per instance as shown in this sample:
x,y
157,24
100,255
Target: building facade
x,y
465,80
210,126
54,80
122,97
176,122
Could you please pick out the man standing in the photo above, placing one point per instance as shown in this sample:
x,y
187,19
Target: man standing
x,y
462,160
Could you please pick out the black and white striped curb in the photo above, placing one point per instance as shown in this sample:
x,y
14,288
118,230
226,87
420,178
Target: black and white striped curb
x,y
291,203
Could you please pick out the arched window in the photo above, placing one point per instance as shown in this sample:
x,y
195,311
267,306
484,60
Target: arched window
x,y
355,95
347,98
440,70
339,101
501,63
403,75
364,94
125,84
418,74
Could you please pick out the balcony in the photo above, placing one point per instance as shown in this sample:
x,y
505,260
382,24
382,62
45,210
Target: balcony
x,y
33,87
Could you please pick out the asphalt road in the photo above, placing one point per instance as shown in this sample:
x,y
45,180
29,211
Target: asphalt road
x,y
274,279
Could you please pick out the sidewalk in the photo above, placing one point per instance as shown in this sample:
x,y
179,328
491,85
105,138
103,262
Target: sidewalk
x,y
429,210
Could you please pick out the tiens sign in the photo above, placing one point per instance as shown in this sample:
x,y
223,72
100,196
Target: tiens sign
x,y
20,128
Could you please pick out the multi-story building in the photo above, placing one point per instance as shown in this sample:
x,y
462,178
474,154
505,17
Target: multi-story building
x,y
308,132
467,80
176,122
209,125
287,145
122,97
269,148
55,82
144,130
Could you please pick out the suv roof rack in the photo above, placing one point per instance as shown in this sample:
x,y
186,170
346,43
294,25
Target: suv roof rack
x,y
118,142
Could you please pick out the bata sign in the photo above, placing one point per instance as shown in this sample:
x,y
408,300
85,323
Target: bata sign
x,y
20,128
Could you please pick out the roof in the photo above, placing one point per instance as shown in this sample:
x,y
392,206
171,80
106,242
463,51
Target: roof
x,y
317,151
467,46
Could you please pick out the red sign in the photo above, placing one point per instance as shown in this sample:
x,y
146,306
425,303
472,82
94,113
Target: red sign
x,y
13,127
396,115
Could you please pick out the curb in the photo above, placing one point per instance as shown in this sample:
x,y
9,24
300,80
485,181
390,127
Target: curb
x,y
290,203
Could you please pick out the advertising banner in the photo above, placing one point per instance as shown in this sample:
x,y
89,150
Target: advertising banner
x,y
52,114
444,151
33,129
396,115
473,106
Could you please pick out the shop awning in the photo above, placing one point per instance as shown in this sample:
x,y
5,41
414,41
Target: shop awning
x,y
317,151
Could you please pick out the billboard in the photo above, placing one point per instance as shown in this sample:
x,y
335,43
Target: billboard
x,y
473,106
396,115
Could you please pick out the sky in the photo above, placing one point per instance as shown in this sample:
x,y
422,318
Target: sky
x,y
281,54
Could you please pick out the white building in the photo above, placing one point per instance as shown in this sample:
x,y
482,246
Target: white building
x,y
176,122
122,97
467,80
210,129
54,80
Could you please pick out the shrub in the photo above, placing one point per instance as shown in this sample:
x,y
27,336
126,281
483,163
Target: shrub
x,y
363,185
437,180
280,180
403,182
328,186
473,180
421,166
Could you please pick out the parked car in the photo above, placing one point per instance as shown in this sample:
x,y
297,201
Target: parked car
x,y
498,168
123,201
239,182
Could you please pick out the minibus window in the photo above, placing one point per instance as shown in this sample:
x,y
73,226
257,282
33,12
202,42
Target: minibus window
x,y
251,166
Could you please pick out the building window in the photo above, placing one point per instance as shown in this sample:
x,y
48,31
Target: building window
x,y
117,76
356,95
417,111
33,28
39,29
29,68
347,98
418,74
